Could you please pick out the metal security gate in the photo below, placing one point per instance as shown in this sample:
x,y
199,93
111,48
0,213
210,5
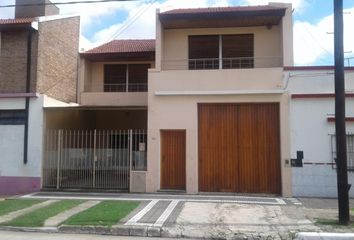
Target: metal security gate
x,y
92,159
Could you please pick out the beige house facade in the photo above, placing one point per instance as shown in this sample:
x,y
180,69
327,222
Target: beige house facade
x,y
177,86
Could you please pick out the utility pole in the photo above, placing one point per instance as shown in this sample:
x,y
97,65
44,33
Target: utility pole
x,y
341,143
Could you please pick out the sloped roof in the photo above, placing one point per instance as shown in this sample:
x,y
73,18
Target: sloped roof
x,y
222,9
124,46
17,23
238,16
130,49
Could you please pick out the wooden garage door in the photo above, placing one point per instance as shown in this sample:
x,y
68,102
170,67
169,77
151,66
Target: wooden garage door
x,y
173,159
239,148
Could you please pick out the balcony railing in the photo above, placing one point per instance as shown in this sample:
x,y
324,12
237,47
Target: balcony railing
x,y
222,63
119,87
122,87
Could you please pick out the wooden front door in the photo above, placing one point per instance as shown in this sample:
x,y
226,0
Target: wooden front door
x,y
239,148
173,159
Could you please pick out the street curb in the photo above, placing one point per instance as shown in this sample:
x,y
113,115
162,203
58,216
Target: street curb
x,y
30,229
122,230
151,231
118,230
323,236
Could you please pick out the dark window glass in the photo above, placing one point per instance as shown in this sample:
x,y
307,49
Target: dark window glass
x,y
12,117
203,52
237,51
115,77
138,76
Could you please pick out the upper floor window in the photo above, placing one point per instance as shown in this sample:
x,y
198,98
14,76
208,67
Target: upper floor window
x,y
125,77
237,51
204,52
221,51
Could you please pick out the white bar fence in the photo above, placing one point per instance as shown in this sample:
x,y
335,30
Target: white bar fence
x,y
92,159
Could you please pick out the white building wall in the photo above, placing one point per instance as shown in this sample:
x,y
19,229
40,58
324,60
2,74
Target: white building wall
x,y
310,132
11,142
11,148
13,172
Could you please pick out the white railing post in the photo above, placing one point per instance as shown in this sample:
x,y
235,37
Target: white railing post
x,y
94,160
127,79
59,157
220,52
130,157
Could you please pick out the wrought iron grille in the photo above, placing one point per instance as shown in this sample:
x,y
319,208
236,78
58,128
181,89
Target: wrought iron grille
x,y
350,151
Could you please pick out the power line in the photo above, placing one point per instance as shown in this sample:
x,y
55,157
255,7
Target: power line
x,y
63,3
132,20
314,38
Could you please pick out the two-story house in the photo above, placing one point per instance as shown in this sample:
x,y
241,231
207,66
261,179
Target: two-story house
x,y
102,140
38,67
218,115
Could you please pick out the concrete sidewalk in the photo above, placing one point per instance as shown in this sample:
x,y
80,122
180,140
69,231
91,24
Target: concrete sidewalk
x,y
213,217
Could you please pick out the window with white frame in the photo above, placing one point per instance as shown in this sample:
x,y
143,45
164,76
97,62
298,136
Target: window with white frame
x,y
125,77
221,51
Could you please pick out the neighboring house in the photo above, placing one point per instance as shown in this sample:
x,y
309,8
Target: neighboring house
x,y
214,104
312,129
38,63
102,141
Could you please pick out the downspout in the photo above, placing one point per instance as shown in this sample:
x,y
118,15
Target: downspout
x,y
28,89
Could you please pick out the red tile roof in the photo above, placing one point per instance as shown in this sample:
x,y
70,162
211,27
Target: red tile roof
x,y
124,46
222,9
16,21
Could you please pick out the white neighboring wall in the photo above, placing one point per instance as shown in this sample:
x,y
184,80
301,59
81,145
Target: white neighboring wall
x,y
11,140
310,132
15,176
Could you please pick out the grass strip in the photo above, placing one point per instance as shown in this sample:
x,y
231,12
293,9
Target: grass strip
x,y
11,205
38,217
106,213
333,223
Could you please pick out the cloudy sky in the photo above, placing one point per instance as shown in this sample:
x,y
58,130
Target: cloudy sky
x,y
313,23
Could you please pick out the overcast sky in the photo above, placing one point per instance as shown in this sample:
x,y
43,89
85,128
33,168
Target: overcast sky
x,y
313,20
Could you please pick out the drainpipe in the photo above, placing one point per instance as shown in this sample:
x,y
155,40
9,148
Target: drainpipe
x,y
28,89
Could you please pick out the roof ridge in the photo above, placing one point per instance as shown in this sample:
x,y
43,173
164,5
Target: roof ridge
x,y
15,21
124,46
244,7
134,39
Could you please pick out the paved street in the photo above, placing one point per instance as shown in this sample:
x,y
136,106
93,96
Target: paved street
x,y
5,235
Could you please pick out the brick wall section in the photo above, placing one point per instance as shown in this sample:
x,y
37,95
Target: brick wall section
x,y
13,61
51,9
57,69
34,11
